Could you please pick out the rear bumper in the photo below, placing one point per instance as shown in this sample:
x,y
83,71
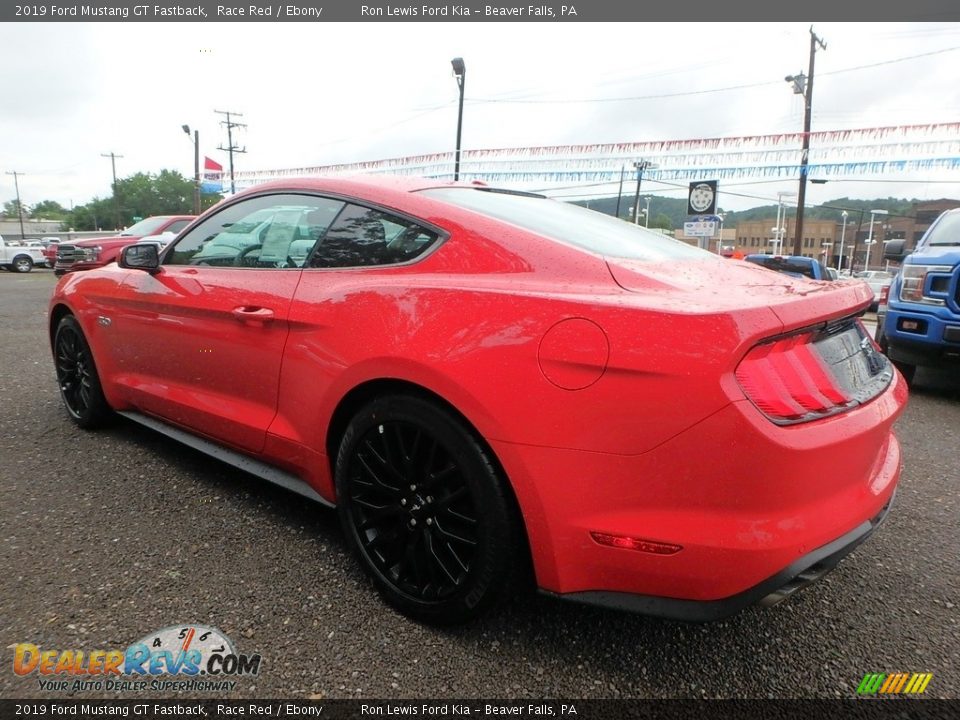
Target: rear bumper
x,y
753,507
803,572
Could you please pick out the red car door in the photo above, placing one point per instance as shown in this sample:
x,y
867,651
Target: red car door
x,y
200,342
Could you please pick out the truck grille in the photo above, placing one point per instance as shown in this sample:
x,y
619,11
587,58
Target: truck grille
x,y
67,255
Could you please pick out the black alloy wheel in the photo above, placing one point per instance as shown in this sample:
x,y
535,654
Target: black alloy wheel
x,y
77,375
425,511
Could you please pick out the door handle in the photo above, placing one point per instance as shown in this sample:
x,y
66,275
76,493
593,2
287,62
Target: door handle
x,y
253,315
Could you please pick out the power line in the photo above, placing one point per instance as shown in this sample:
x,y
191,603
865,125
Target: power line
x,y
531,101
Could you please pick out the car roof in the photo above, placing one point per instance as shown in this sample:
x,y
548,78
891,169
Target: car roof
x,y
349,183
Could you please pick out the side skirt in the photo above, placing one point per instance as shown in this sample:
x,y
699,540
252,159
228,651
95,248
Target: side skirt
x,y
238,460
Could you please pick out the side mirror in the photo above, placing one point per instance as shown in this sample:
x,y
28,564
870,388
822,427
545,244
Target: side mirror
x,y
143,256
895,250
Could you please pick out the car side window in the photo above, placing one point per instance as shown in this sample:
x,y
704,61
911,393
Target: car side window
x,y
266,231
176,226
363,236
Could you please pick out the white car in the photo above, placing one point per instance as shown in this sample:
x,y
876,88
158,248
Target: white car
x,y
877,280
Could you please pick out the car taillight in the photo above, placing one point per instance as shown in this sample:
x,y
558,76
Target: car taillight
x,y
789,382
884,295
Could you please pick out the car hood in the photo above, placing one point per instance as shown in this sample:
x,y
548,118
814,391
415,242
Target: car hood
x,y
726,286
935,255
106,242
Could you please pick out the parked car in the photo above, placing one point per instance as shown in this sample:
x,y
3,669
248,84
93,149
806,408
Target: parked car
x,y
95,252
485,380
50,250
877,280
793,265
919,324
17,257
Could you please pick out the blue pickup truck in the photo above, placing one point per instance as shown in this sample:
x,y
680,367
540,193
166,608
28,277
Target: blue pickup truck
x,y
920,324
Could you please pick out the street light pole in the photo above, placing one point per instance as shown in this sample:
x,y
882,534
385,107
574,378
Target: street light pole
x,y
460,72
843,233
646,216
776,228
782,223
196,167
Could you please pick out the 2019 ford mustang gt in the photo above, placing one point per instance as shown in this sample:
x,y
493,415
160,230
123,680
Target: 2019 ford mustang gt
x,y
486,381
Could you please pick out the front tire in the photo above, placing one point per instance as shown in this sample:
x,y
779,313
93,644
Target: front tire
x,y
22,264
77,376
426,512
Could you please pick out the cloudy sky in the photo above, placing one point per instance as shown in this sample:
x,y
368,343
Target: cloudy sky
x,y
316,94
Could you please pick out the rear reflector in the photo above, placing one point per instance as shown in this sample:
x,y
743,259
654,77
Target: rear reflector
x,y
811,374
632,543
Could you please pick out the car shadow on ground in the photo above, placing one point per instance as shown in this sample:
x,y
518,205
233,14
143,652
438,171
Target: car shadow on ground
x,y
937,382
563,633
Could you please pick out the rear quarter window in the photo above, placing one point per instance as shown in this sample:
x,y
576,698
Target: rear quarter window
x,y
569,224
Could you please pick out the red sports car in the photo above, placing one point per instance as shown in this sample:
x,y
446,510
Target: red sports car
x,y
486,381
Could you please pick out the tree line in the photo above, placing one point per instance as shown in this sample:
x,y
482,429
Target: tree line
x,y
138,196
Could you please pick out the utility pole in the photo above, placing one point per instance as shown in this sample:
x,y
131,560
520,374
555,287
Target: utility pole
x,y
116,198
16,184
231,148
804,86
640,165
620,193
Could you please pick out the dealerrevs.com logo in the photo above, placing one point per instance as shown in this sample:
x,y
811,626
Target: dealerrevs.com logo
x,y
178,658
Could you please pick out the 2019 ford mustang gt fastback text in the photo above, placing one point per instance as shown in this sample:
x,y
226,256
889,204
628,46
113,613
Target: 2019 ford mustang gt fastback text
x,y
488,383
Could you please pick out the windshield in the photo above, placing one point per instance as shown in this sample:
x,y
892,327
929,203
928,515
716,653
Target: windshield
x,y
150,226
571,224
946,231
798,267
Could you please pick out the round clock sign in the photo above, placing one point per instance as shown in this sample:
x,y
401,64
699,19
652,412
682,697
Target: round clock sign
x,y
702,196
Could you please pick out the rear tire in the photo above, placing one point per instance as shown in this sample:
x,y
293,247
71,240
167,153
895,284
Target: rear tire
x,y
426,512
77,376
22,264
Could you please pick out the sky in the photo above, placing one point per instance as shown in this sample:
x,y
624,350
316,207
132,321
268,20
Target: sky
x,y
316,94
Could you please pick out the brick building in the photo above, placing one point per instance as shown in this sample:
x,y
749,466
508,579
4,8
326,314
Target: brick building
x,y
822,237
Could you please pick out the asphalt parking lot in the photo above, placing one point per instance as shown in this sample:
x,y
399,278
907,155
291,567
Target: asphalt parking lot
x,y
111,535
